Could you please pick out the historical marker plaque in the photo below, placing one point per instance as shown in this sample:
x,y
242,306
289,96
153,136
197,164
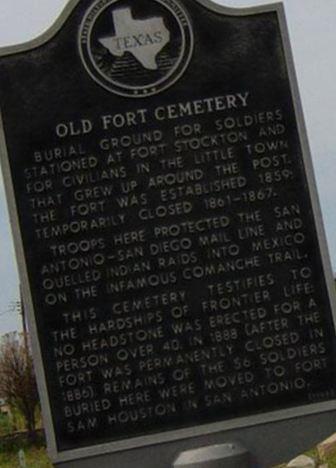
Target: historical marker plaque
x,y
171,244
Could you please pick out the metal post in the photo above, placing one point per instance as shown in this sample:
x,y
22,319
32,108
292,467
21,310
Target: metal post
x,y
230,455
22,459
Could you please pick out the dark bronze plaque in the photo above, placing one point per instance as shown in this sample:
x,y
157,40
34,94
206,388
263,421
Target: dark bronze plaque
x,y
170,231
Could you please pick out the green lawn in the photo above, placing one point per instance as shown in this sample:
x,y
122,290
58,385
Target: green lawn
x,y
35,457
313,454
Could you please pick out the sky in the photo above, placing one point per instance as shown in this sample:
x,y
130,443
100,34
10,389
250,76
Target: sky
x,y
313,38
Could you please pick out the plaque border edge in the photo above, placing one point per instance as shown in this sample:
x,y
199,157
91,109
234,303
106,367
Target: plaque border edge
x,y
65,14
192,431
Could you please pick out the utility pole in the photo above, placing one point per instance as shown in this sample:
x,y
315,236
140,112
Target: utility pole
x,y
24,321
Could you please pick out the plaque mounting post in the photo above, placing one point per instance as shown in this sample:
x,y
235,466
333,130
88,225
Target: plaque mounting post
x,y
229,455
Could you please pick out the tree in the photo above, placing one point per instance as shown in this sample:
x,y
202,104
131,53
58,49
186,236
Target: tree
x,y
17,378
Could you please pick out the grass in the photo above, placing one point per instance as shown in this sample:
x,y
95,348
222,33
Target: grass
x,y
35,458
331,462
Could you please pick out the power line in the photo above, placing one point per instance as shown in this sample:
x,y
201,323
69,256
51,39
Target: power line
x,y
13,307
7,312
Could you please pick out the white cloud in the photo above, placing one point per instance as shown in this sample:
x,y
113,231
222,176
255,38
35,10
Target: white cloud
x,y
22,20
